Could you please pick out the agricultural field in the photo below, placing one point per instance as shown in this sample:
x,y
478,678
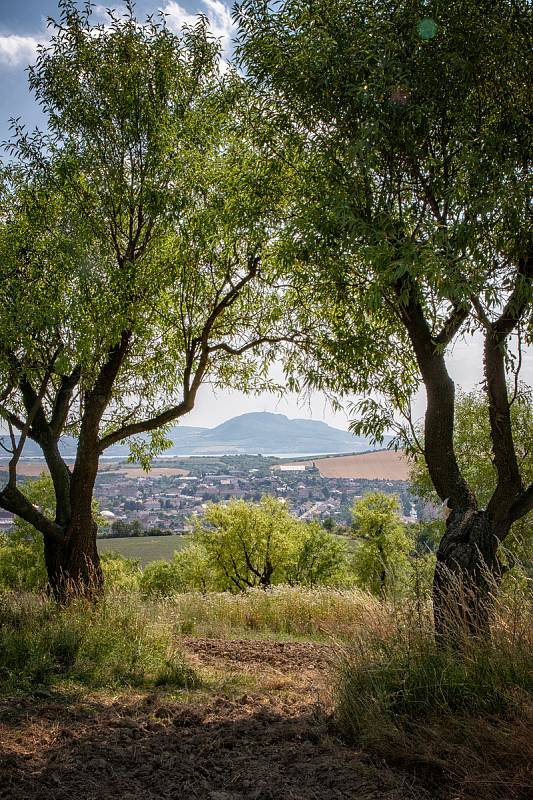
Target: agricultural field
x,y
378,465
145,548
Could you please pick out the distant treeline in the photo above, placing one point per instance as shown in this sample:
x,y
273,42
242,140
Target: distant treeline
x,y
122,528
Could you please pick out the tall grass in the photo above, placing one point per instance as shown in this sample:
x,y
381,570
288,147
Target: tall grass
x,y
281,610
393,675
116,642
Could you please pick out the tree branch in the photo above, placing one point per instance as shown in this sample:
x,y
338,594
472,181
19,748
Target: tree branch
x,y
440,391
522,505
190,389
509,486
12,499
238,351
452,325
62,400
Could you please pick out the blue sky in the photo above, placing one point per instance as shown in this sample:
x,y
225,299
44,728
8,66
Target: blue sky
x,y
22,27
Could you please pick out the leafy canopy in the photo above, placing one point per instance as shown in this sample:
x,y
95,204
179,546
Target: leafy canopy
x,y
261,544
407,127
144,215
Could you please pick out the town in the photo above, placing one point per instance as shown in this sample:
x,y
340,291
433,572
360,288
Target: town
x,y
168,496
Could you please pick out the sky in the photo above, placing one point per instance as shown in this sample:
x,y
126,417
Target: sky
x,y
22,28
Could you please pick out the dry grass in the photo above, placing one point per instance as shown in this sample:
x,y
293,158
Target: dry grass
x,y
30,469
155,472
282,611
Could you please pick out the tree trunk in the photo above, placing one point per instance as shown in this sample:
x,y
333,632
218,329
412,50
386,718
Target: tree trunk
x,y
467,577
74,567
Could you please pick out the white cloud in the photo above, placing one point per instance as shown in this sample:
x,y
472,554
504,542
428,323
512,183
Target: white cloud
x,y
219,15
16,50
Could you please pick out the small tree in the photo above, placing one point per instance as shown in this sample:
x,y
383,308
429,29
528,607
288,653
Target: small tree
x,y
381,558
250,545
319,558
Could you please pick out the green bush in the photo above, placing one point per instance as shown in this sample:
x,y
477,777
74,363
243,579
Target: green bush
x,y
247,545
117,642
21,564
161,578
120,573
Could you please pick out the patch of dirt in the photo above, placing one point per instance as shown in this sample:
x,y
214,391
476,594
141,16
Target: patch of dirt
x,y
299,660
254,748
265,744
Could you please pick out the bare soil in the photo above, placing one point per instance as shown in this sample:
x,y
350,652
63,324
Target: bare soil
x,y
261,732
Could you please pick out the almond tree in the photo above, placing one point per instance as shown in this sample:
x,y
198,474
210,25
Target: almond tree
x,y
134,257
413,127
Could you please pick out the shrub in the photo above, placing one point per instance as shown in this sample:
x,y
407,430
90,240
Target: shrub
x,y
161,578
120,573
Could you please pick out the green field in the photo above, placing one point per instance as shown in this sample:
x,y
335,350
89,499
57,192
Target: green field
x,y
144,548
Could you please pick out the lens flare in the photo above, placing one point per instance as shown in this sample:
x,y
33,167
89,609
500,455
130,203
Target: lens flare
x,y
427,28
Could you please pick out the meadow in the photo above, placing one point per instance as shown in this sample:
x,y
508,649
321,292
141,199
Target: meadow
x,y
145,548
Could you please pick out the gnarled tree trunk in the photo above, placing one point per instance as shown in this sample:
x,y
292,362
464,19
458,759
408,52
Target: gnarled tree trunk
x,y
467,576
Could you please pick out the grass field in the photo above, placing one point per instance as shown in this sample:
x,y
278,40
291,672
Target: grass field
x,y
155,548
145,548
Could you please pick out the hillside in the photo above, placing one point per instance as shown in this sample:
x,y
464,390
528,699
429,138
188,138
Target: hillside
x,y
257,432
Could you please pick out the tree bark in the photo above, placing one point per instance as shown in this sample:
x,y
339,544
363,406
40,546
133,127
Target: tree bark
x,y
73,568
467,577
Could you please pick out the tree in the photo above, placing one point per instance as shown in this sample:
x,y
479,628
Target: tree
x,y
320,558
251,545
22,564
409,131
383,545
134,259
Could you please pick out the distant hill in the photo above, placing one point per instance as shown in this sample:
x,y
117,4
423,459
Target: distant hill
x,y
264,432
257,432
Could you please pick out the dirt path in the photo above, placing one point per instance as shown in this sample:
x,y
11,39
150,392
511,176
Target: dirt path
x,y
267,739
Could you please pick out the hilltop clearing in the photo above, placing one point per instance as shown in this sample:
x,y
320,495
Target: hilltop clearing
x,y
260,731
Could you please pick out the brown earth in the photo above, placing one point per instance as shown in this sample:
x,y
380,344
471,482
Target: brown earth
x,y
273,741
381,465
138,472
30,468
